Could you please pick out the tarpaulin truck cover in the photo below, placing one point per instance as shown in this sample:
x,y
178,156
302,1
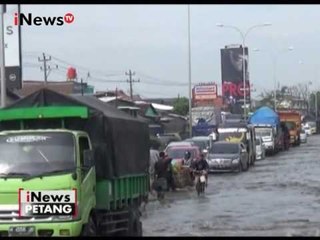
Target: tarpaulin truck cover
x,y
265,115
120,142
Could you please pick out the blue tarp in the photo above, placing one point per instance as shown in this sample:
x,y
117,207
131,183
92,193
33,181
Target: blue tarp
x,y
265,115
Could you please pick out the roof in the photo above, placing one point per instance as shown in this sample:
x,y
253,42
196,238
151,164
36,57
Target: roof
x,y
107,99
119,93
64,87
162,107
128,107
48,97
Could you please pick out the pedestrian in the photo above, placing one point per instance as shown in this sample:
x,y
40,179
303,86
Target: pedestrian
x,y
161,172
170,177
154,158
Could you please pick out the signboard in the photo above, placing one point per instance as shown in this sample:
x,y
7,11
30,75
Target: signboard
x,y
206,91
232,77
12,48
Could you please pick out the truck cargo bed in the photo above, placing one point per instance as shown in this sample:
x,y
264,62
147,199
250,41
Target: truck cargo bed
x,y
120,192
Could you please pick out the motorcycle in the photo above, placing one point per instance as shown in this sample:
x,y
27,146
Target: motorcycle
x,y
201,183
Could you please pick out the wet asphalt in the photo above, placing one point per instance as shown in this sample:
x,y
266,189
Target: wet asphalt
x,y
279,196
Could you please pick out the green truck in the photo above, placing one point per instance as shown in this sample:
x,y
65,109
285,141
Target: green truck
x,y
50,141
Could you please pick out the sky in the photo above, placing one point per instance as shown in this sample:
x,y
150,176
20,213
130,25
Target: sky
x,y
152,41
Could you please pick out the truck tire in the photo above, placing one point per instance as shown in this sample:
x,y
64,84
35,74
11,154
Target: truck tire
x,y
134,224
89,229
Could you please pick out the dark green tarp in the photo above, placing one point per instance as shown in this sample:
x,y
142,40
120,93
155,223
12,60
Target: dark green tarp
x,y
121,142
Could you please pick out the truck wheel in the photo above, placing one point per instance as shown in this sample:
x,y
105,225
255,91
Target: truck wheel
x,y
90,228
135,225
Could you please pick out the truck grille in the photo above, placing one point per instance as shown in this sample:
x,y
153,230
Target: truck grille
x,y
13,216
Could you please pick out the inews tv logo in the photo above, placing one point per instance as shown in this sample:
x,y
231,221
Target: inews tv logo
x,y
28,19
47,203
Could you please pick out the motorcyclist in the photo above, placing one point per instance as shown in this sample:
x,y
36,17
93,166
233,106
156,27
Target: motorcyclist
x,y
201,165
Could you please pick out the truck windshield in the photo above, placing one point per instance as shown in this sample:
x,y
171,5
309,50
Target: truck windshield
x,y
232,136
264,132
291,125
36,153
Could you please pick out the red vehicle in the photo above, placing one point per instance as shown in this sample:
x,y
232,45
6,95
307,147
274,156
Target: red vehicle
x,y
177,152
292,120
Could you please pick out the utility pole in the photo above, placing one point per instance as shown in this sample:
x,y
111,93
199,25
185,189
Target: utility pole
x,y
45,68
189,75
2,63
130,74
316,104
81,82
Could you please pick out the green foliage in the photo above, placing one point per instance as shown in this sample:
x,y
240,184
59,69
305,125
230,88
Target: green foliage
x,y
181,106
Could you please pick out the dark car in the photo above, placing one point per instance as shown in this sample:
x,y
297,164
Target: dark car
x,y
228,156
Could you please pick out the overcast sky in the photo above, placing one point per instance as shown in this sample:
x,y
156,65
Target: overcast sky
x,y
152,40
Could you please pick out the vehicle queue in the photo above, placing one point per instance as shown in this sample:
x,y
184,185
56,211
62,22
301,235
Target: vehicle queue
x,y
236,144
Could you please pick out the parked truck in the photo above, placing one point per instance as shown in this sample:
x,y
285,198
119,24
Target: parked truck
x,y
50,141
267,124
292,120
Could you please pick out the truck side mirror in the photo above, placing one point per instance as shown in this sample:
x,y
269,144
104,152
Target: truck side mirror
x,y
243,150
88,158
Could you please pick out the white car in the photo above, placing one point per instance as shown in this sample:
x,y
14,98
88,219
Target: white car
x,y
303,136
260,149
307,130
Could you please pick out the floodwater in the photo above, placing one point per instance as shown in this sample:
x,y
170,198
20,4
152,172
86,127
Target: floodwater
x,y
279,196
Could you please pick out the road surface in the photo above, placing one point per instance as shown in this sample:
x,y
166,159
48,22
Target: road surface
x,y
279,196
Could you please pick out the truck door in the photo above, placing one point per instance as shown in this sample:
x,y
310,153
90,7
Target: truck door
x,y
87,176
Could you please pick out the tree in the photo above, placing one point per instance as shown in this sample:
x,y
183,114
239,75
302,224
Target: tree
x,y
181,106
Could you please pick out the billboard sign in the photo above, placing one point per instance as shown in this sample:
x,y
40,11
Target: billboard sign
x,y
232,75
12,48
206,91
232,72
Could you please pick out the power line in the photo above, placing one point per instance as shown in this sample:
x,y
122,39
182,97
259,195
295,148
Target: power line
x,y
79,68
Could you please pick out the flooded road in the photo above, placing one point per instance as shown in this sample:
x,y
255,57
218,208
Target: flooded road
x,y
280,196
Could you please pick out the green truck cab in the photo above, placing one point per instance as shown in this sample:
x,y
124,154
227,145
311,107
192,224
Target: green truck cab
x,y
51,142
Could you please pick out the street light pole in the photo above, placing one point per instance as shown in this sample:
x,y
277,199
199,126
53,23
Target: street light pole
x,y
316,104
275,81
2,57
243,37
244,78
190,94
